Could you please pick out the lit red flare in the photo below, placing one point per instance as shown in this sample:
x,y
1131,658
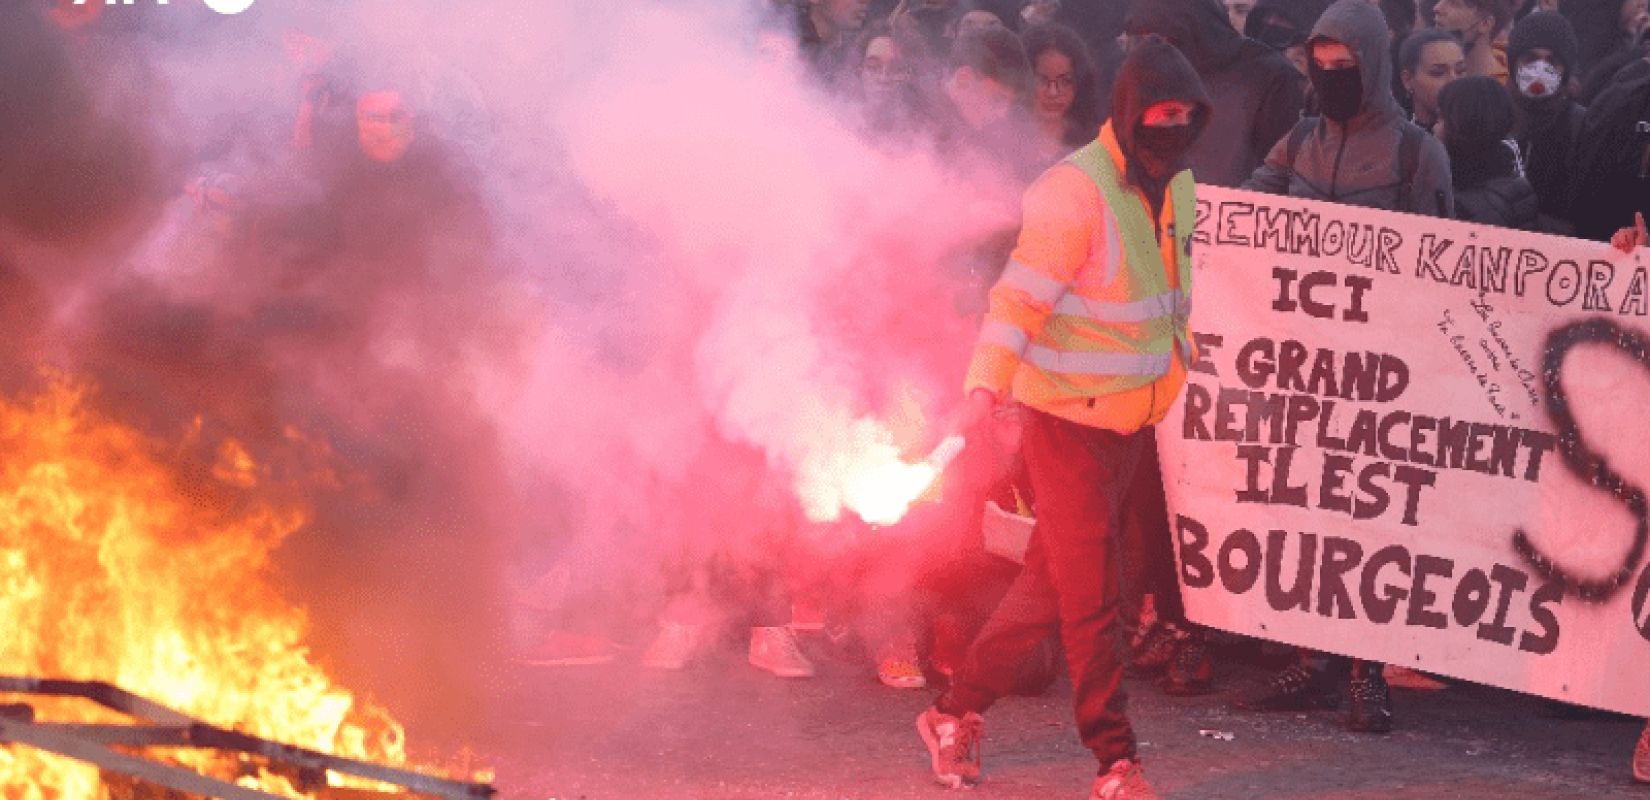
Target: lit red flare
x,y
871,480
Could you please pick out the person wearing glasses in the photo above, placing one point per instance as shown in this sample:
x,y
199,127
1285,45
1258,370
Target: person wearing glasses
x,y
1065,98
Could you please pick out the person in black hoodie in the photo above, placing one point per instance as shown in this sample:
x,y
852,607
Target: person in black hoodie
x,y
1283,25
1257,97
1257,94
1541,55
1100,23
1084,430
1474,116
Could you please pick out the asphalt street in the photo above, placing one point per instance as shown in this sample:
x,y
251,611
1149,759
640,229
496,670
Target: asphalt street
x,y
722,729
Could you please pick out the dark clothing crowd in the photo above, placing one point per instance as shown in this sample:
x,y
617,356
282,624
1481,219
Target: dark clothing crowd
x,y
1556,127
1532,115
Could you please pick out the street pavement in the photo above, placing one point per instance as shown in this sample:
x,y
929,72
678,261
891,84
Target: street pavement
x,y
723,729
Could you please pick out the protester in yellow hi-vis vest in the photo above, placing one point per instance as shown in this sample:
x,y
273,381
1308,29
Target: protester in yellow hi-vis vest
x,y
1088,329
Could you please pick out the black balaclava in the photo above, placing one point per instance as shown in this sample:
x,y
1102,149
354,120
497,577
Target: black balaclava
x,y
1281,24
1340,91
1356,97
1166,143
1152,72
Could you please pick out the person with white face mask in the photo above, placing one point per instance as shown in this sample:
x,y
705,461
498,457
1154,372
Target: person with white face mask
x,y
1540,51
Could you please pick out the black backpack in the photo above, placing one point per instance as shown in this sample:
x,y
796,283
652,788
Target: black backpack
x,y
1613,155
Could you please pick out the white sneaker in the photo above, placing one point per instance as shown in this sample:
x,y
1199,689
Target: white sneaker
x,y
673,648
775,650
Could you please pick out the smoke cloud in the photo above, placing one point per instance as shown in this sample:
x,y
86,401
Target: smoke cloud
x,y
637,290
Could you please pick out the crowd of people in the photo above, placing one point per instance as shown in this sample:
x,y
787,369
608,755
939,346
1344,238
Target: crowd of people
x,y
1524,115
1488,111
1480,110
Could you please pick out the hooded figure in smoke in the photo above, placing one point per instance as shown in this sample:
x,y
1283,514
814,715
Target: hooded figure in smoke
x,y
1257,95
1108,228
1156,72
1360,151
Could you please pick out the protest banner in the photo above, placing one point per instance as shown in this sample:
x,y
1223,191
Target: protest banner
x,y
1418,441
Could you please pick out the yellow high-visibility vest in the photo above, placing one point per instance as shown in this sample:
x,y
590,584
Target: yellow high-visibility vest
x,y
1116,325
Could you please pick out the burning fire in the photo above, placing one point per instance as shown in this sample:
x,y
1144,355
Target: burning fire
x,y
115,568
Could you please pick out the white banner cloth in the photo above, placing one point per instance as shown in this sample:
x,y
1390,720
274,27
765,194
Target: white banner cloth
x,y
1400,435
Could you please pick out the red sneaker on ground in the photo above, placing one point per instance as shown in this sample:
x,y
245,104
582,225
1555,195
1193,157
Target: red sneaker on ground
x,y
953,746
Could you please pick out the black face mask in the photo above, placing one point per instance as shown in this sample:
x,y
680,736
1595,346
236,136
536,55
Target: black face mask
x,y
1166,143
1340,92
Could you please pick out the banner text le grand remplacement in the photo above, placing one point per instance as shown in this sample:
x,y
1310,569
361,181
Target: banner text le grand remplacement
x,y
1418,441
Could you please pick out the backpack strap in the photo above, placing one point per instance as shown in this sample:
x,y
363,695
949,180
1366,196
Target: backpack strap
x,y
1409,157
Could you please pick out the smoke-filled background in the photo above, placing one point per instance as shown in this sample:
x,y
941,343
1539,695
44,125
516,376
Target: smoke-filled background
x,y
633,294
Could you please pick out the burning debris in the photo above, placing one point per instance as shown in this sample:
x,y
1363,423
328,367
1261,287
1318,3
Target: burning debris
x,y
526,344
305,771
116,570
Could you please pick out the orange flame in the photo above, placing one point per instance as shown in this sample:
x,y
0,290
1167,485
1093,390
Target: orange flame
x,y
112,568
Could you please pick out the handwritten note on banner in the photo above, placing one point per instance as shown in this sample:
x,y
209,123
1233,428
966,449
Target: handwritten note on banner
x,y
1418,441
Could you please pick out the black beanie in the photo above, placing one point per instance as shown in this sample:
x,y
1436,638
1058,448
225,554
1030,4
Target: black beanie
x,y
1547,29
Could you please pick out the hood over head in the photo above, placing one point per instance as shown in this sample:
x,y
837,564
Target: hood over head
x,y
1152,72
1360,25
1280,24
1548,29
1199,28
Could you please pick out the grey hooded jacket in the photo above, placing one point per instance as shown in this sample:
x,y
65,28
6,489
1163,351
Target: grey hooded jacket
x,y
1358,163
